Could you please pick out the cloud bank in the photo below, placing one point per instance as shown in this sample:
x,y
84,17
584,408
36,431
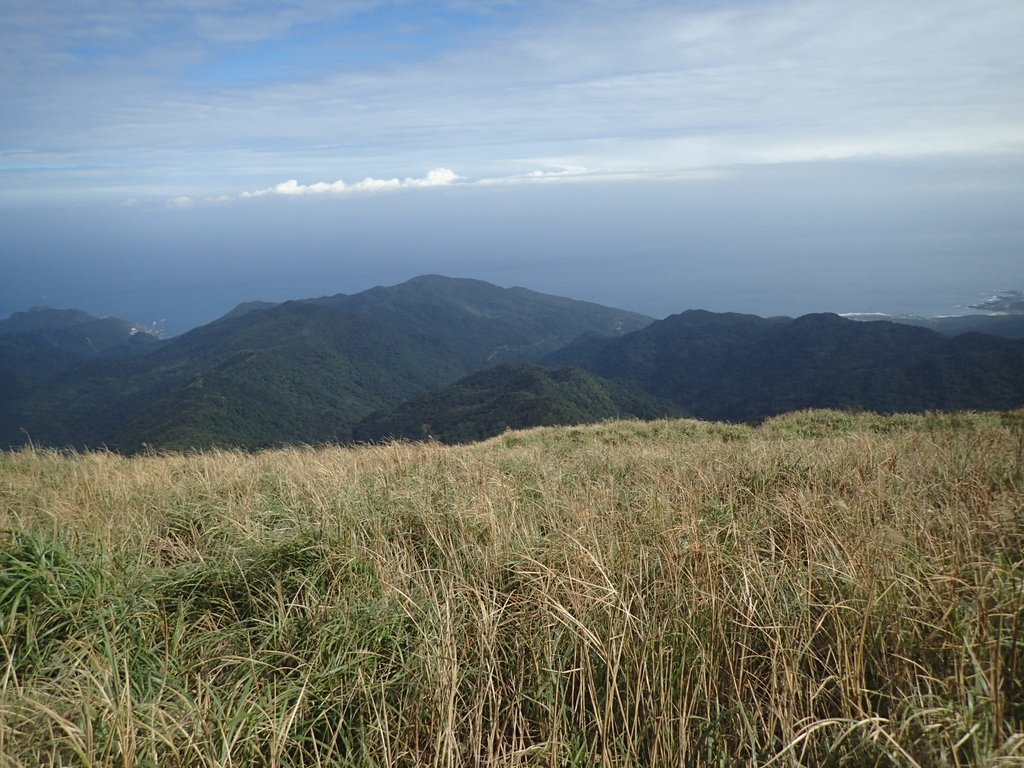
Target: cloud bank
x,y
436,177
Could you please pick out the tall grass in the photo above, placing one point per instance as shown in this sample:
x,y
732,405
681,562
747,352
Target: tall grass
x,y
826,589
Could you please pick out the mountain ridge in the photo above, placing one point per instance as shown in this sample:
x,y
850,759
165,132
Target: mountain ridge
x,y
336,368
301,371
744,368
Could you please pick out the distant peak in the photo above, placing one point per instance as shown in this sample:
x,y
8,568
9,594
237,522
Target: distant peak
x,y
705,315
821,317
442,280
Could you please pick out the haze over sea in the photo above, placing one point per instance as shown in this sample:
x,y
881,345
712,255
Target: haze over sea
x,y
166,161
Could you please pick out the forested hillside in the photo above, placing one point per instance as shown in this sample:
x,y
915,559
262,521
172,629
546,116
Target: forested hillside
x,y
299,372
393,361
510,397
743,367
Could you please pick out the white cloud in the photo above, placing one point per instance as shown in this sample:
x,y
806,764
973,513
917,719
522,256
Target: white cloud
x,y
534,177
440,177
445,177
436,177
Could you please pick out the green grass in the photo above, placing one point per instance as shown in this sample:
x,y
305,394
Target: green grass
x,y
826,589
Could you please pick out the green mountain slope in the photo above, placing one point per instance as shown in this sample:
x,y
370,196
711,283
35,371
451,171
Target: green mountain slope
x,y
488,324
315,370
299,373
295,373
741,367
303,371
44,318
248,306
37,346
510,397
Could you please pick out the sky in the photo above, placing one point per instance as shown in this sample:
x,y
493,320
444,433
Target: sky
x,y
166,160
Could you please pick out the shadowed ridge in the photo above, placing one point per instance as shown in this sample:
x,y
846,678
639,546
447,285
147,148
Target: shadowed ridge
x,y
742,367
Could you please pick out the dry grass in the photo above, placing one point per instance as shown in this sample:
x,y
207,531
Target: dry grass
x,y
827,589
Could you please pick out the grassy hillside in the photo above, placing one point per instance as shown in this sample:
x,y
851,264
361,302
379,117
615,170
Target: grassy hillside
x,y
825,589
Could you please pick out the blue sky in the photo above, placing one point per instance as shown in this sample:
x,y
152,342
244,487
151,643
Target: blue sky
x,y
775,157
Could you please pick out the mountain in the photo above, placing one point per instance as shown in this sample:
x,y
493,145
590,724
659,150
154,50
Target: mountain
x,y
44,318
510,397
248,306
302,371
486,323
297,373
41,344
294,373
394,361
1007,326
743,368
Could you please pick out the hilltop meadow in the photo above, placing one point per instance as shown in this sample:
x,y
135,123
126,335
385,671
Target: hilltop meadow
x,y
826,589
